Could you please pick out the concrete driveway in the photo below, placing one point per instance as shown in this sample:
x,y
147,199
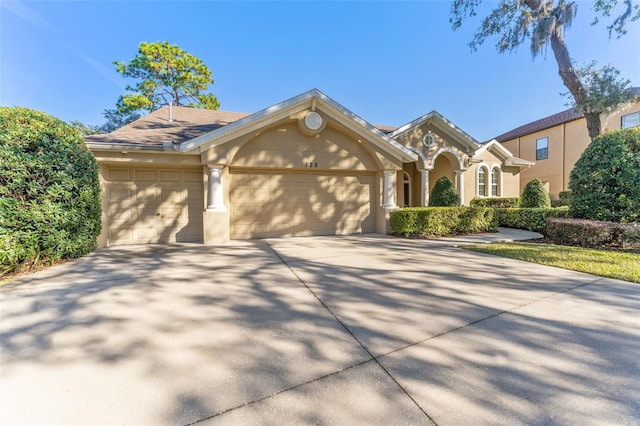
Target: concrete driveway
x,y
345,330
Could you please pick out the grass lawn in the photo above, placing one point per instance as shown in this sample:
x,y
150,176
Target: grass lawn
x,y
605,263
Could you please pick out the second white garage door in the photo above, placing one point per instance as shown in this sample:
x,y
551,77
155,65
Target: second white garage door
x,y
277,204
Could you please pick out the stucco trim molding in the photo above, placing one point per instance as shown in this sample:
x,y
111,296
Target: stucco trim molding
x,y
441,122
499,150
313,99
461,165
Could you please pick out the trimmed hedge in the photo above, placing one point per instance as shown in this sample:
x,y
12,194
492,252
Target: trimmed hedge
x,y
49,190
441,221
529,219
504,202
444,194
605,182
594,234
535,195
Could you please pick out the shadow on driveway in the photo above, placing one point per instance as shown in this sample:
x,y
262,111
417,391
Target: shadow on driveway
x,y
366,329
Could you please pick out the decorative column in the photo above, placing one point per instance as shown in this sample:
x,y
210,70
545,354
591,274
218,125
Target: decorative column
x,y
424,189
215,194
460,181
389,193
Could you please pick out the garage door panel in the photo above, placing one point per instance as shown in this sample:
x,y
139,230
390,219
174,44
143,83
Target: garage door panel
x,y
115,175
170,176
144,175
156,205
300,203
195,177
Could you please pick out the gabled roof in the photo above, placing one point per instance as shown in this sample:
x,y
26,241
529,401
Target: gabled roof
x,y
192,130
311,99
155,128
499,150
441,122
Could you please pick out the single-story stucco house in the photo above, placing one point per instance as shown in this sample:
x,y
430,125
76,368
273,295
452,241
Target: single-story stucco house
x,y
305,166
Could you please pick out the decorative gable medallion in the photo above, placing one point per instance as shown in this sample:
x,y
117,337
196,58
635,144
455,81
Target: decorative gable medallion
x,y
428,139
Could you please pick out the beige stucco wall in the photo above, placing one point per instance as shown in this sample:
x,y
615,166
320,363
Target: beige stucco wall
x,y
285,147
509,183
567,141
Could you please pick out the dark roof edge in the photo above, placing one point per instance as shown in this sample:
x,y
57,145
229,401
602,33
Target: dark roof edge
x,y
541,124
548,122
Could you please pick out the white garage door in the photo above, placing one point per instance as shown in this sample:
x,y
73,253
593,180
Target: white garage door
x,y
277,204
151,205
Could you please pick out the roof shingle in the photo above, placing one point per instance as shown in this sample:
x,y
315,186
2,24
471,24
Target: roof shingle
x,y
155,128
544,123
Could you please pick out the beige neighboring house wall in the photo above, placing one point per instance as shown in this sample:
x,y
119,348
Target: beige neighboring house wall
x,y
305,166
567,139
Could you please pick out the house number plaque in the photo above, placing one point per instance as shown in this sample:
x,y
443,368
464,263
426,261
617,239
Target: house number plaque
x,y
311,165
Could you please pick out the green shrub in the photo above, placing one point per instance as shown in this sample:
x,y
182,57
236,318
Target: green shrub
x,y
49,190
444,194
504,203
594,234
441,221
535,196
529,219
565,198
605,182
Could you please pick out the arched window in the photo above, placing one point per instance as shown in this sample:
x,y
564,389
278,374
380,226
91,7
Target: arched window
x,y
482,182
495,182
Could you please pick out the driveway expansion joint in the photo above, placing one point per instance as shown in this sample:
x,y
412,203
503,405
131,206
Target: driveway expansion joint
x,y
344,326
496,314
246,404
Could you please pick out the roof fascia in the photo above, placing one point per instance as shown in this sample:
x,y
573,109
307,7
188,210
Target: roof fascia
x,y
496,148
99,146
365,129
504,154
441,122
273,113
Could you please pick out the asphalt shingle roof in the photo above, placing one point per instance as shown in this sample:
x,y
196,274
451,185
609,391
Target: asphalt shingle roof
x,y
187,123
544,123
155,128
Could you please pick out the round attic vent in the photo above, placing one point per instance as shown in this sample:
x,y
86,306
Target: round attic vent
x,y
428,139
313,120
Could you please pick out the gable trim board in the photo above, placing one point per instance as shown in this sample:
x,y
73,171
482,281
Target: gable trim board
x,y
271,173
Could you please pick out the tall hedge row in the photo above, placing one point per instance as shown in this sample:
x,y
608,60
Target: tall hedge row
x,y
49,190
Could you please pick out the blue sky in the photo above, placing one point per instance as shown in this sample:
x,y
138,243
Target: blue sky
x,y
388,62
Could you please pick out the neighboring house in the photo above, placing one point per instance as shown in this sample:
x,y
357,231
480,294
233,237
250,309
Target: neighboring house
x,y
556,142
306,166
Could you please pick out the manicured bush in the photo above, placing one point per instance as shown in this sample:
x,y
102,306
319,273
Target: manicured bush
x,y
441,221
594,234
528,219
535,196
49,190
605,182
444,194
504,202
565,198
